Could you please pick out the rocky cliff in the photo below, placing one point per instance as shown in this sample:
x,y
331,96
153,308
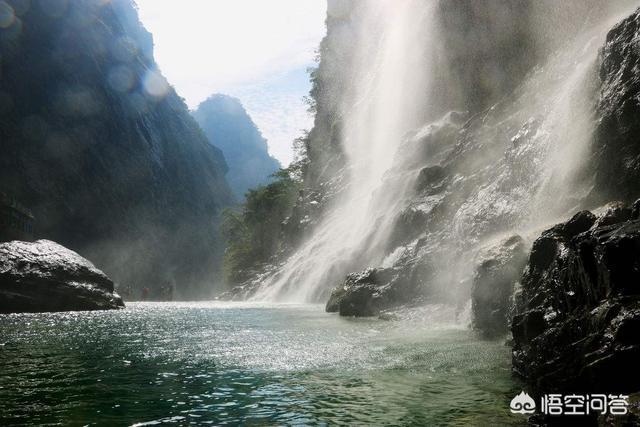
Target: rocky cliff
x,y
617,153
504,147
480,174
99,146
578,311
228,127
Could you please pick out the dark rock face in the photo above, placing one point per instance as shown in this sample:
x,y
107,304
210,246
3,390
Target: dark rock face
x,y
229,128
44,276
499,268
369,292
578,313
615,212
617,153
360,295
430,179
102,150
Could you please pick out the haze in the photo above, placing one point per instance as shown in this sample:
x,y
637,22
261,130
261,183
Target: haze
x,y
258,51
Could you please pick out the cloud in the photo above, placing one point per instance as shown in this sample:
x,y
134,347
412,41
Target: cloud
x,y
276,106
205,46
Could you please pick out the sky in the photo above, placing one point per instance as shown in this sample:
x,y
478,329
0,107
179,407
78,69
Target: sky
x,y
255,50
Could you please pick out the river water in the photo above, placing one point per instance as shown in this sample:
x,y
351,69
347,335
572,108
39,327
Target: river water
x,y
250,364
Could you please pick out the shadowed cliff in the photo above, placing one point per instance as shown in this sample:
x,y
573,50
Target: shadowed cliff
x,y
98,145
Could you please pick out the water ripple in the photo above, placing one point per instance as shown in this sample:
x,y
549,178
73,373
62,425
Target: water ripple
x,y
229,364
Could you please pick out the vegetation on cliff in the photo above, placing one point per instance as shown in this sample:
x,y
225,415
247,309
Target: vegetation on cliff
x,y
254,232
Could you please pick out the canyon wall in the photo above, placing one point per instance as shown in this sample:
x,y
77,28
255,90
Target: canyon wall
x,y
97,144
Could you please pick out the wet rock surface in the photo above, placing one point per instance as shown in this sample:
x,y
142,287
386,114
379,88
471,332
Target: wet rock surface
x,y
369,292
498,269
577,317
617,154
45,276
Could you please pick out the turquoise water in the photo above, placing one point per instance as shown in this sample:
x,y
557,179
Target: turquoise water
x,y
230,364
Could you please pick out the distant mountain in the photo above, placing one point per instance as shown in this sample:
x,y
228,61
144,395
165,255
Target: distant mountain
x,y
101,149
282,114
229,128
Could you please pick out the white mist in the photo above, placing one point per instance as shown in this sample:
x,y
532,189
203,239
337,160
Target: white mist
x,y
526,175
385,102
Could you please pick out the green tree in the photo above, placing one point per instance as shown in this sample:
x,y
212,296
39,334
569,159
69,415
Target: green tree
x,y
254,231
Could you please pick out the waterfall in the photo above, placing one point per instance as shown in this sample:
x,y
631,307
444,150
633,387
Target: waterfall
x,y
379,109
513,168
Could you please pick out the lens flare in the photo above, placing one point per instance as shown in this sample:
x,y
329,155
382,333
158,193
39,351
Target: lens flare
x,y
121,78
155,84
7,15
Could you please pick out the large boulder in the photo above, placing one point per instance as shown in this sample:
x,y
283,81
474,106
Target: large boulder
x,y
577,317
498,269
360,295
369,292
45,276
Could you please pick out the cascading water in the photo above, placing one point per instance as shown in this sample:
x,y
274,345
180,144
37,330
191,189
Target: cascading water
x,y
381,107
514,168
